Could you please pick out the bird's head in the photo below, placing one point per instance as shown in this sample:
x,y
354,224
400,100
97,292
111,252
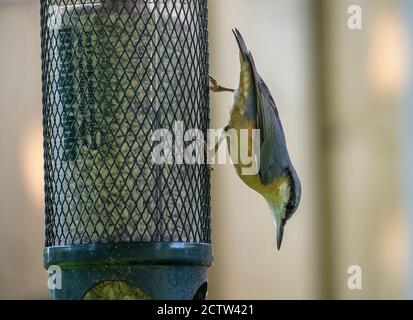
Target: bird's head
x,y
286,203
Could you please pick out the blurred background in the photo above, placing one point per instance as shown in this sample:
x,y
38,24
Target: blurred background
x,y
344,97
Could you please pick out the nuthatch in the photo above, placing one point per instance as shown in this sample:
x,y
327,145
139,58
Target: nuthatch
x,y
254,108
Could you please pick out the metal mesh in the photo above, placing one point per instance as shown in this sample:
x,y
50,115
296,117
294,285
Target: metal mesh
x,y
113,72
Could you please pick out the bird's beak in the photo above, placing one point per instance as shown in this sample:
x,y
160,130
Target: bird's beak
x,y
280,234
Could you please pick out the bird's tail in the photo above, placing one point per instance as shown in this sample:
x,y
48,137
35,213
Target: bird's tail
x,y
241,44
246,59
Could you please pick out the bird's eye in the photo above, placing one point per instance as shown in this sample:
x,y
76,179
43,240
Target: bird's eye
x,y
290,209
290,206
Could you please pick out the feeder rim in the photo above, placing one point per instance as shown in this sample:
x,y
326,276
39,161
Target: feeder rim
x,y
160,253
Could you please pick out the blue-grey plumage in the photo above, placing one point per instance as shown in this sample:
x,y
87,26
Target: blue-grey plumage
x,y
254,108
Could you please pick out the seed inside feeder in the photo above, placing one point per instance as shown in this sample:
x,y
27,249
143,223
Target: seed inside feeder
x,y
122,72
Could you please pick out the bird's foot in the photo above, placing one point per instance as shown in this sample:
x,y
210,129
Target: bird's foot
x,y
211,168
215,87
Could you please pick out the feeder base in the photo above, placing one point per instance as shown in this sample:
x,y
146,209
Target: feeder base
x,y
159,271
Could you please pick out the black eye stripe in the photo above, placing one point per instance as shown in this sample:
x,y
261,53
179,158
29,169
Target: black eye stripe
x,y
291,205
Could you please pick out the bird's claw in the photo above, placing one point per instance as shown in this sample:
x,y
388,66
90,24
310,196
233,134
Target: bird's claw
x,y
214,87
211,168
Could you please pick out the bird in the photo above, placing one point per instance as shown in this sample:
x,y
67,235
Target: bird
x,y
254,109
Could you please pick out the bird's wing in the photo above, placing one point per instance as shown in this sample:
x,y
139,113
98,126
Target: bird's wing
x,y
274,158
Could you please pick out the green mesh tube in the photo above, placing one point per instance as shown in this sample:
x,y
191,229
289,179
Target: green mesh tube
x,y
114,72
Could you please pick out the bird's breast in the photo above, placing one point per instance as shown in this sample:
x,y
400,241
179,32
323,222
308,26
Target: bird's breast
x,y
241,148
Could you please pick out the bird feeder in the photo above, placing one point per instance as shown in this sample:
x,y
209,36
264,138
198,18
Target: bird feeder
x,y
118,225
